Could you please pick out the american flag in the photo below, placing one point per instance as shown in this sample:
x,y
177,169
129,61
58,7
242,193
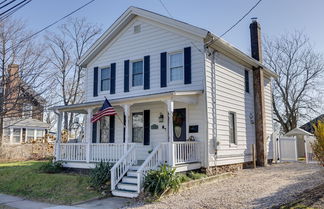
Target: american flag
x,y
105,110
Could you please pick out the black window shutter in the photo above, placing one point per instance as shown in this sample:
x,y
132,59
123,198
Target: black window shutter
x,y
94,132
163,68
146,127
187,65
113,78
247,82
126,76
124,133
95,82
111,129
147,72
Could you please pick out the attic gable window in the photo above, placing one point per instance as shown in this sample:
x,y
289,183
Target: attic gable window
x,y
105,79
137,28
176,66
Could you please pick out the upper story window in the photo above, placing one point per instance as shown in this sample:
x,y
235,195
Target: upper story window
x,y
137,73
105,79
247,81
27,110
232,128
176,66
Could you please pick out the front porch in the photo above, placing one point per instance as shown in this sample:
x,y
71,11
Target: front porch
x,y
77,155
146,132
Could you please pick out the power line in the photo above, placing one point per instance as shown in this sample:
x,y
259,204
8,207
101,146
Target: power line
x,y
13,7
166,9
53,23
7,4
3,1
15,10
236,23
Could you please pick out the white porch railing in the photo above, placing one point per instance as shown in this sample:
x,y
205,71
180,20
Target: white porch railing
x,y
107,152
157,157
72,152
186,152
122,166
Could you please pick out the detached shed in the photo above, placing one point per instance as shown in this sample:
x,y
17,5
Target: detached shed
x,y
301,135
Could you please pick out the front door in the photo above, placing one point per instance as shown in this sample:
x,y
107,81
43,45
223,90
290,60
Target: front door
x,y
179,124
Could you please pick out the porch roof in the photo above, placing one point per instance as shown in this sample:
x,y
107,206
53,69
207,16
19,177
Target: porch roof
x,y
179,96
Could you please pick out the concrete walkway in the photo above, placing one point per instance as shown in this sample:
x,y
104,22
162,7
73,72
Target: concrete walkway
x,y
20,203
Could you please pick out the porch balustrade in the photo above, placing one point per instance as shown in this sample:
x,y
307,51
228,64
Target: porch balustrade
x,y
183,152
186,152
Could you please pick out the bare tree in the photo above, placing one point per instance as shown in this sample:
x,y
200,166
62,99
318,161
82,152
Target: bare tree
x,y
66,48
300,68
17,48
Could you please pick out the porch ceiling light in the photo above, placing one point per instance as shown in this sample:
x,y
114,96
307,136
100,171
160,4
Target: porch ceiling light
x,y
161,118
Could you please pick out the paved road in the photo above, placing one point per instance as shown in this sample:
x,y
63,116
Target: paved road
x,y
250,188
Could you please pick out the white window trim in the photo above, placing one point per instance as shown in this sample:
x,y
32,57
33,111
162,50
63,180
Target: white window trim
x,y
131,75
99,85
169,68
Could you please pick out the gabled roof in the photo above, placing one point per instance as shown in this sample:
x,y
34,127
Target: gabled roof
x,y
124,19
25,123
309,126
298,131
132,12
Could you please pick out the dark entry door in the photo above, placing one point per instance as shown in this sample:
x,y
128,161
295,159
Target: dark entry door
x,y
179,124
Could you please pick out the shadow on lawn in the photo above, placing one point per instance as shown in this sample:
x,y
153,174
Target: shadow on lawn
x,y
293,192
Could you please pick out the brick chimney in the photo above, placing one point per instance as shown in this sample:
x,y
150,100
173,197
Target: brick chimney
x,y
13,73
11,90
255,33
258,89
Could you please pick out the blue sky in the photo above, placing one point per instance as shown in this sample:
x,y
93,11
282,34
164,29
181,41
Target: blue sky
x,y
276,16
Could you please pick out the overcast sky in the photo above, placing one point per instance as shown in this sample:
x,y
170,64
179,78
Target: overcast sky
x,y
275,16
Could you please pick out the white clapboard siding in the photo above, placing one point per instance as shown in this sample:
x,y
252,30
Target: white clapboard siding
x,y
152,40
268,115
229,90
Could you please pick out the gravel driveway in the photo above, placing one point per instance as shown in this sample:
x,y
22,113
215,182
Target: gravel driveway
x,y
249,188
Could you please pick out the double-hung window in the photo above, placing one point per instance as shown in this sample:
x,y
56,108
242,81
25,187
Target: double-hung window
x,y
30,135
232,128
105,79
16,135
137,73
176,66
138,127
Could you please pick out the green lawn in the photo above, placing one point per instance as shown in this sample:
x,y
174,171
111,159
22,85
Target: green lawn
x,y
23,179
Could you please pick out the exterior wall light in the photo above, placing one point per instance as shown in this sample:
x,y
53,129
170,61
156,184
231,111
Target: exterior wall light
x,y
161,118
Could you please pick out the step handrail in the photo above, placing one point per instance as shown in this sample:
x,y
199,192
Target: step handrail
x,y
121,166
149,164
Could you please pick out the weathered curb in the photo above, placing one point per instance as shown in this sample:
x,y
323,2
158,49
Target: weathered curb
x,y
189,184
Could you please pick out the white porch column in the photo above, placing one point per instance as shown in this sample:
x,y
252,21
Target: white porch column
x,y
126,108
170,105
88,133
58,135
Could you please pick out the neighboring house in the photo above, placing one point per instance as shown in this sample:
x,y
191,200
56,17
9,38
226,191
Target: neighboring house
x,y
23,119
183,97
309,127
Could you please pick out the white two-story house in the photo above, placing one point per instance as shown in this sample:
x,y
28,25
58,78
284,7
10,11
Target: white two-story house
x,y
183,96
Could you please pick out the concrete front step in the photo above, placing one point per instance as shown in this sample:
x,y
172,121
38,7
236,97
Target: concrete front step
x,y
124,193
128,179
127,186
